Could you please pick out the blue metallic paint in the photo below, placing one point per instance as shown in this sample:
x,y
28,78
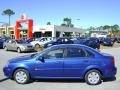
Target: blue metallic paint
x,y
64,67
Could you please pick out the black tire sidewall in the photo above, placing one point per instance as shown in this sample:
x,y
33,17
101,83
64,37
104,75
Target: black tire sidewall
x,y
27,73
19,50
86,77
37,46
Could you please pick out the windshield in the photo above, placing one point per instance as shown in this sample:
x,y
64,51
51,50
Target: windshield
x,y
107,39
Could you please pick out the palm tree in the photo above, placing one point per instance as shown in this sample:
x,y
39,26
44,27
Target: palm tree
x,y
8,12
48,23
67,22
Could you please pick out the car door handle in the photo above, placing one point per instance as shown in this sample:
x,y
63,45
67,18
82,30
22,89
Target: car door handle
x,y
57,62
86,61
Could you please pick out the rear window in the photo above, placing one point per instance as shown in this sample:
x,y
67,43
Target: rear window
x,y
89,54
75,52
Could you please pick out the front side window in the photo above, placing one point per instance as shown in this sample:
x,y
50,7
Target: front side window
x,y
58,53
75,52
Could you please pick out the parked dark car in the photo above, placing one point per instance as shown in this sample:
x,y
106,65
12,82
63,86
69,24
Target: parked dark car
x,y
113,39
91,42
5,38
107,42
1,43
118,40
72,61
79,41
61,40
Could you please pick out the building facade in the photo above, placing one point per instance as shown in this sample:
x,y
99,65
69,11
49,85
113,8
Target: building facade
x,y
43,31
7,31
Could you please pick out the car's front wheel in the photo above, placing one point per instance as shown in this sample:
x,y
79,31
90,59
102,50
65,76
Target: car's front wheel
x,y
37,46
93,77
21,76
18,50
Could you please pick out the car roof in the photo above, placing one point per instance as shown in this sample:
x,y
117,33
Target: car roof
x,y
96,53
70,45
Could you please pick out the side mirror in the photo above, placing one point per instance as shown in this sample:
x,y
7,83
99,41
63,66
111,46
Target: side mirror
x,y
41,58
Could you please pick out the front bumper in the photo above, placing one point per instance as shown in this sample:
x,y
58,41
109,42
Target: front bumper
x,y
7,72
27,49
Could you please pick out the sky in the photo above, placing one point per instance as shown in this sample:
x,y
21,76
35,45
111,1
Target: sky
x,y
84,13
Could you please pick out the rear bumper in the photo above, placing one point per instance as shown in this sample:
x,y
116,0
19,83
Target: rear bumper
x,y
108,44
111,72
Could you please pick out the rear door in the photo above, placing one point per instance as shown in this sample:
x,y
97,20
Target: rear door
x,y
76,62
8,45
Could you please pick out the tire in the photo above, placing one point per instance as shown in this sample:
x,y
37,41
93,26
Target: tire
x,y
18,50
37,46
21,76
93,77
5,48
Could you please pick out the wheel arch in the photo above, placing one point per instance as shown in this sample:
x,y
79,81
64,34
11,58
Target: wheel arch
x,y
94,68
20,68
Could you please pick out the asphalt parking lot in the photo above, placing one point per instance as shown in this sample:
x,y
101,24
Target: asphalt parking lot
x,y
7,84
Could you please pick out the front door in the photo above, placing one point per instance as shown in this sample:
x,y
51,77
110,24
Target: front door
x,y
52,66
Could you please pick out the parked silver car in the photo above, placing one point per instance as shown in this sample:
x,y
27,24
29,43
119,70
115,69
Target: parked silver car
x,y
18,45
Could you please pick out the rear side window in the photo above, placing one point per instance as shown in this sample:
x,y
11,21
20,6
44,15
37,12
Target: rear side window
x,y
75,52
89,54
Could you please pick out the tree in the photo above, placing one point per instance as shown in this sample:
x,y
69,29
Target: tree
x,y
115,29
67,22
9,13
91,28
106,27
48,23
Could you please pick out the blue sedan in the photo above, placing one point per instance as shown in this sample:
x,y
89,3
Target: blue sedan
x,y
67,61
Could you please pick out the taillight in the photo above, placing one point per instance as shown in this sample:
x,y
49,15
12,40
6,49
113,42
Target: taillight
x,y
113,61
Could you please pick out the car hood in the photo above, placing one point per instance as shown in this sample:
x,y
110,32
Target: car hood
x,y
20,58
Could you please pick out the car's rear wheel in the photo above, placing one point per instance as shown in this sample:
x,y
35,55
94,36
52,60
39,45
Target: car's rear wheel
x,y
93,77
18,50
21,76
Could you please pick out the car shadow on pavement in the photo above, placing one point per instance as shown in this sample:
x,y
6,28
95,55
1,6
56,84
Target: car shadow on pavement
x,y
109,79
60,80
4,79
